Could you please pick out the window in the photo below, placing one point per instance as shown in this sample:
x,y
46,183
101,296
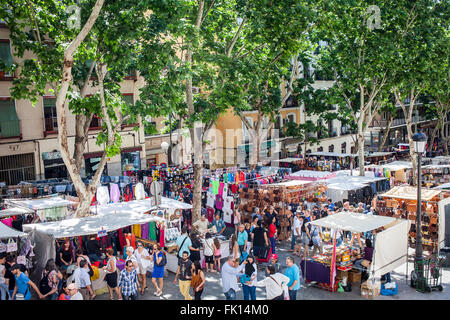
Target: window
x,y
331,148
16,168
5,56
131,161
344,147
50,118
290,118
128,98
320,149
9,122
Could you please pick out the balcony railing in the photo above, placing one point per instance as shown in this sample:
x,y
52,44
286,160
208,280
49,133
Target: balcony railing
x,y
10,129
398,122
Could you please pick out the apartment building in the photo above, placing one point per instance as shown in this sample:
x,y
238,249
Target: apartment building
x,y
28,134
398,131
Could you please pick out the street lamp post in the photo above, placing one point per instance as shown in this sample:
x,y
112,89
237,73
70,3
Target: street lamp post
x,y
420,140
165,147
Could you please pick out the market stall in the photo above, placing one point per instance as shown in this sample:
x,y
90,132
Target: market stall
x,y
435,174
311,175
45,235
354,189
398,172
53,208
401,202
337,263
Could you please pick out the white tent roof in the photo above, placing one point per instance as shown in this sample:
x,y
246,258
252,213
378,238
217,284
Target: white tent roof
x,y
312,174
393,166
43,203
342,182
410,193
287,160
7,232
353,221
139,206
15,211
90,225
290,183
442,186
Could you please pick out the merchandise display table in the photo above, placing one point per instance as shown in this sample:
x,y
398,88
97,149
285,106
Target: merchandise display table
x,y
315,271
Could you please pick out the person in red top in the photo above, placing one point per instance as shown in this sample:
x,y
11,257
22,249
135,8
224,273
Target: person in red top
x,y
65,294
272,233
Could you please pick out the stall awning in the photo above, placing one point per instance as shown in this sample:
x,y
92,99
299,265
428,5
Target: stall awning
x,y
354,222
43,203
7,232
291,183
289,160
139,206
16,211
444,186
410,193
311,175
90,225
393,166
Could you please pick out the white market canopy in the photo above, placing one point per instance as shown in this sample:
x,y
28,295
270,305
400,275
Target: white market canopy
x,y
7,232
442,186
393,166
331,154
410,193
291,183
15,211
287,160
90,225
378,154
344,182
353,221
311,175
139,206
40,204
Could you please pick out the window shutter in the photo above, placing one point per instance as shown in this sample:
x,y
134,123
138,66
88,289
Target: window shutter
x,y
5,53
9,122
49,102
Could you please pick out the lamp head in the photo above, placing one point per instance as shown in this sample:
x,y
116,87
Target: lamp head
x,y
420,140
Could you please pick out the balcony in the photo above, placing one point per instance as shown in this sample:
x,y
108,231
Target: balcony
x,y
51,125
10,129
96,123
397,122
131,74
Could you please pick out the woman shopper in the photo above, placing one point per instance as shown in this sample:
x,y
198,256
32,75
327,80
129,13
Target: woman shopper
x,y
217,254
64,293
111,274
208,251
198,280
275,284
80,256
65,256
195,247
248,279
143,260
272,233
158,270
234,248
49,281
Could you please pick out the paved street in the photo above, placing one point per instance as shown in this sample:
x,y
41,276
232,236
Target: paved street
x,y
213,288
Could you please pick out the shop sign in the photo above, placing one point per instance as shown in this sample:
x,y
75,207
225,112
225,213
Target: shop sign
x,y
51,155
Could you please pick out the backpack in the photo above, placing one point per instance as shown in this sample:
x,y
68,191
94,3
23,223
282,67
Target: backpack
x,y
44,287
163,260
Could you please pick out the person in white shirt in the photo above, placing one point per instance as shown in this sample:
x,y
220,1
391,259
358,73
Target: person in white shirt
x,y
73,291
297,233
83,280
275,284
201,225
208,251
143,261
229,277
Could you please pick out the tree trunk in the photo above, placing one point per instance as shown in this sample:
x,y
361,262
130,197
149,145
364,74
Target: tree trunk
x,y
386,134
433,136
444,138
361,153
197,192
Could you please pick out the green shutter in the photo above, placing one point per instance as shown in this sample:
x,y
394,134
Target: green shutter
x,y
128,99
49,102
5,53
9,122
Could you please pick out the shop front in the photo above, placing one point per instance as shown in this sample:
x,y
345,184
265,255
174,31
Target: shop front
x,y
91,163
131,159
54,166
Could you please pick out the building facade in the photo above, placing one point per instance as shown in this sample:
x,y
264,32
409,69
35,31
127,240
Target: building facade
x,y
29,148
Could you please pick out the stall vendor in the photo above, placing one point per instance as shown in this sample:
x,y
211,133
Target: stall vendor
x,y
201,225
219,224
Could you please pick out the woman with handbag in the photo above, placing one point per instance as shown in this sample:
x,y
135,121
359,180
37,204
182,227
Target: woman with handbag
x,y
197,280
275,284
159,261
248,279
111,275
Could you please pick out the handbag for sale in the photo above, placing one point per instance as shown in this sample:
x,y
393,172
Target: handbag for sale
x,y
2,247
11,246
21,260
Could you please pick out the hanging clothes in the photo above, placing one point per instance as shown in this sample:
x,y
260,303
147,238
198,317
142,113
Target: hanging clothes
x,y
115,193
139,191
152,231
